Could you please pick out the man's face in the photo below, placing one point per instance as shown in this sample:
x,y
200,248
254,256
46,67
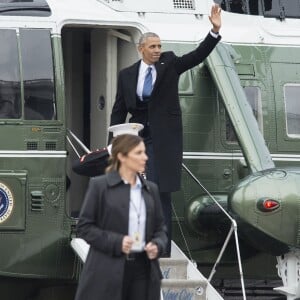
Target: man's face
x,y
150,50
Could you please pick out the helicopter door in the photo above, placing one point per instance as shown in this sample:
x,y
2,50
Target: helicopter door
x,y
103,66
111,50
92,59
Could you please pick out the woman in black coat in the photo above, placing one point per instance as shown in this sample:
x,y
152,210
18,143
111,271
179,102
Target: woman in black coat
x,y
121,218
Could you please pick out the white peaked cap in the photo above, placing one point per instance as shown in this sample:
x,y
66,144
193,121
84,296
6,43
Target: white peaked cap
x,y
126,128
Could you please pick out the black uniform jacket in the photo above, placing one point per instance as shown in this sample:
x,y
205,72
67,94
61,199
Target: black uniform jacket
x,y
103,222
164,112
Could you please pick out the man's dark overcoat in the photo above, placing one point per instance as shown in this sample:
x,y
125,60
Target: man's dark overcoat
x,y
164,112
103,222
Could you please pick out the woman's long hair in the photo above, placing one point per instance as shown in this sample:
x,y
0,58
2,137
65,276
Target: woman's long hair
x,y
123,144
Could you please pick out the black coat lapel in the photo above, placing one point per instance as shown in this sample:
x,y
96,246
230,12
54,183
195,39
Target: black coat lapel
x,y
131,79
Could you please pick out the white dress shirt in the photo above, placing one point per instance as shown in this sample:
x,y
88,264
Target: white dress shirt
x,y
137,217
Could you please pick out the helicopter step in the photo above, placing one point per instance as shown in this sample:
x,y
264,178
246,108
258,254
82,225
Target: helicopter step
x,y
183,289
182,279
176,283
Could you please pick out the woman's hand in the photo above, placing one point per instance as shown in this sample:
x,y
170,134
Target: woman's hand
x,y
127,244
151,250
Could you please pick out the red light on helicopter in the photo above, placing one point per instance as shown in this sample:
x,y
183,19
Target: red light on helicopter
x,y
267,204
270,204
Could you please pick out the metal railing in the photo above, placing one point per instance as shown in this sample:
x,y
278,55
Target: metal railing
x,y
233,229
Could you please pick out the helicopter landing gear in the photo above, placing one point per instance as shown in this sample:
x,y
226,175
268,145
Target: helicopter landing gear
x,y
289,271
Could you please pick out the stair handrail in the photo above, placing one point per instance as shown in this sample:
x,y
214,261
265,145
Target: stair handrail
x,y
78,141
233,229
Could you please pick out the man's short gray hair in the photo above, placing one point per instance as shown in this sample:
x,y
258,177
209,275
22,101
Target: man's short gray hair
x,y
146,35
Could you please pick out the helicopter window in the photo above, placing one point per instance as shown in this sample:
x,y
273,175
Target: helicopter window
x,y
254,99
10,87
37,8
269,8
234,6
283,8
37,66
292,105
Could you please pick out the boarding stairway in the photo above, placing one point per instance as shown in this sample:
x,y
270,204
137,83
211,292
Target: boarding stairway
x,y
182,279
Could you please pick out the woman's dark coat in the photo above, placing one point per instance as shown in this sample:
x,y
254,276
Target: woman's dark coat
x,y
103,223
164,112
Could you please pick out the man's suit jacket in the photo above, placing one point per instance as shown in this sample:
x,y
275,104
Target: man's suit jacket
x,y
164,112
